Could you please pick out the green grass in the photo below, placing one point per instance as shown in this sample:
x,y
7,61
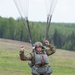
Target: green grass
x,y
62,62
10,64
64,67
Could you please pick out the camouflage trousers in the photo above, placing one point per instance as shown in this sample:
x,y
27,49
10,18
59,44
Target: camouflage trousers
x,y
41,70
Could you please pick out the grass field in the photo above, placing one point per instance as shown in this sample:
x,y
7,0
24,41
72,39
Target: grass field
x,y
62,62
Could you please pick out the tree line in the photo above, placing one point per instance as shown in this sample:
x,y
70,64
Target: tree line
x,y
62,35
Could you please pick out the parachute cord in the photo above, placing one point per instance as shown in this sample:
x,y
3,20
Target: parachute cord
x,y
20,15
23,20
29,32
49,17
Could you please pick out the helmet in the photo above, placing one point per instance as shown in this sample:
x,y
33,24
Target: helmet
x,y
38,44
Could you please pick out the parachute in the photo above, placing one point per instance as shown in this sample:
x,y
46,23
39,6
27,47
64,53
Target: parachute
x,y
50,6
23,5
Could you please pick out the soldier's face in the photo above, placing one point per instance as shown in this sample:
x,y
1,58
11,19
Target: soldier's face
x,y
39,49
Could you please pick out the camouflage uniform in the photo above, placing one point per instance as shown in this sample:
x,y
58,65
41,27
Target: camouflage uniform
x,y
49,49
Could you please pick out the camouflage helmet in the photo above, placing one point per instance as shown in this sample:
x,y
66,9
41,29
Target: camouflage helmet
x,y
38,44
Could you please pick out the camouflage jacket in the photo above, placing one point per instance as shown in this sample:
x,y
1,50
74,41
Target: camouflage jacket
x,y
50,49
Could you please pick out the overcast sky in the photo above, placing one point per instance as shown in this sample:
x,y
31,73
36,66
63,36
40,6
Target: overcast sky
x,y
64,10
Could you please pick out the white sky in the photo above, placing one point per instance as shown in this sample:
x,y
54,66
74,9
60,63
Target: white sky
x,y
64,11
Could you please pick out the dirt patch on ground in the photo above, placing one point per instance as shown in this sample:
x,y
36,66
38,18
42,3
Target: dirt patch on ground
x,y
6,44
64,54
